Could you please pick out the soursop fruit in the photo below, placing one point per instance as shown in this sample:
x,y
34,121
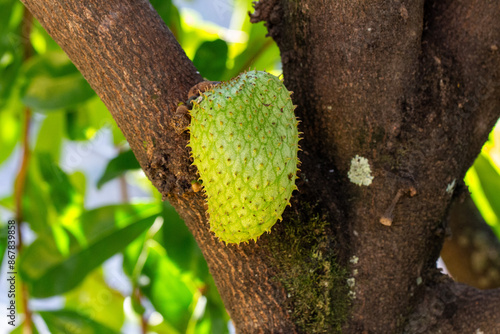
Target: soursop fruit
x,y
244,142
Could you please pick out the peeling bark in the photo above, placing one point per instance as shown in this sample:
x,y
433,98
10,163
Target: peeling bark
x,y
413,86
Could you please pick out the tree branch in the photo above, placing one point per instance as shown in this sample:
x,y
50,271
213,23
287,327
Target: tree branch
x,y
462,70
135,65
449,307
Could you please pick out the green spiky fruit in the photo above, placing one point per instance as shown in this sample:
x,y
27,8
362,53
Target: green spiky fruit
x,y
244,141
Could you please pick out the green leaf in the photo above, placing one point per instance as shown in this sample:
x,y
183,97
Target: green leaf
x,y
9,132
261,52
77,179
36,204
96,300
50,196
85,120
3,242
131,257
95,223
10,66
11,109
48,93
20,329
60,189
53,82
171,293
50,273
77,124
180,244
210,59
6,8
11,54
183,250
215,308
489,178
55,64
214,320
164,327
69,321
51,134
39,32
125,161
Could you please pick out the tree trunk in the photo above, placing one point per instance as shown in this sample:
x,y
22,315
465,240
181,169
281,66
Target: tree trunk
x,y
412,86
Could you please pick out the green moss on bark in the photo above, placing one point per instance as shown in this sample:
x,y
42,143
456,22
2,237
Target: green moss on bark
x,y
317,293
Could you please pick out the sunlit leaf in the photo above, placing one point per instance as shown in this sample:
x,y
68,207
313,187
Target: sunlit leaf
x,y
164,327
20,328
69,321
196,31
489,177
49,273
96,300
214,320
171,293
10,65
53,82
78,124
50,44
54,64
100,118
60,188
6,11
131,255
49,196
77,179
11,108
36,202
51,134
210,59
215,312
9,133
11,52
106,219
47,93
180,244
124,162
261,52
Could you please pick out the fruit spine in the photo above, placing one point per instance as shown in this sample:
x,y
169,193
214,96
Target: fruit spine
x,y
244,142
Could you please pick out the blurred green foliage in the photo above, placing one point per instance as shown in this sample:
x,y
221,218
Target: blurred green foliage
x,y
483,180
168,285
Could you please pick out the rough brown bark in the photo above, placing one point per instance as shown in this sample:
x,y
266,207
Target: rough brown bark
x,y
412,86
